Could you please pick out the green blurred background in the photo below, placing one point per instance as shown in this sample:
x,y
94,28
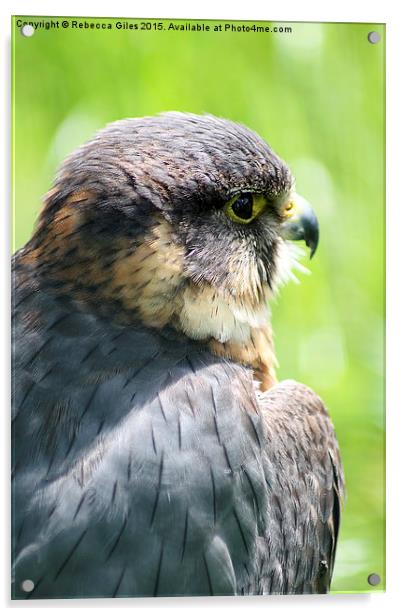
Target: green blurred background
x,y
317,95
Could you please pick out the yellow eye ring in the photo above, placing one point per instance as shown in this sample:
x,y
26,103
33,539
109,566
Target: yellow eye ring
x,y
245,207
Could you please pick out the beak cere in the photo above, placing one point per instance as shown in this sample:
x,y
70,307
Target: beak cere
x,y
301,223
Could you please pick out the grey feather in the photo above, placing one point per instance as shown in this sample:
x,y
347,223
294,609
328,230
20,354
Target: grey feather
x,y
157,479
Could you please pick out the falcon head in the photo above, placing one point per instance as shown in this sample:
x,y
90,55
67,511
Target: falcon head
x,y
176,221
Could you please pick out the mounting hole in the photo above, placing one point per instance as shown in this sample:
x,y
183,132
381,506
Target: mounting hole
x,y
374,579
374,37
27,30
27,585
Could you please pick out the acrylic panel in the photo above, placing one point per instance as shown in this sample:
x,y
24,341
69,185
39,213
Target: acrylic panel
x,y
172,343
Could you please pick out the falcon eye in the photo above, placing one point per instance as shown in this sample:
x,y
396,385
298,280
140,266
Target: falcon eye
x,y
245,207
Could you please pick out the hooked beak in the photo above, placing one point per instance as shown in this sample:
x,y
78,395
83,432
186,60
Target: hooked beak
x,y
301,222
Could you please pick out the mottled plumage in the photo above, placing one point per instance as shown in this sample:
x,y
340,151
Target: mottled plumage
x,y
153,453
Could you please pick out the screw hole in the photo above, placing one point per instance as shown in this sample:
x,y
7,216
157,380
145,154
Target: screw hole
x,y
27,585
374,37
27,30
374,579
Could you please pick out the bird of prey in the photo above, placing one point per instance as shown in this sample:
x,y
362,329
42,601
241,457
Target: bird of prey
x,y
154,453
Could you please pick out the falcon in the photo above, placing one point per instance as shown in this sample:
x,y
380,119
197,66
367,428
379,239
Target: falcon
x,y
154,452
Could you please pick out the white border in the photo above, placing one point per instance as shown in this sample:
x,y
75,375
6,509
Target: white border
x,y
339,10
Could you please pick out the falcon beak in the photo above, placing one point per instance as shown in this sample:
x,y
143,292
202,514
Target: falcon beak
x,y
300,222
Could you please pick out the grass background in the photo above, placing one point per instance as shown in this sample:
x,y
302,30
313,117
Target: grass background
x,y
317,96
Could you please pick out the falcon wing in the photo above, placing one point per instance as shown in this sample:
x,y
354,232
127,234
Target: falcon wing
x,y
305,475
